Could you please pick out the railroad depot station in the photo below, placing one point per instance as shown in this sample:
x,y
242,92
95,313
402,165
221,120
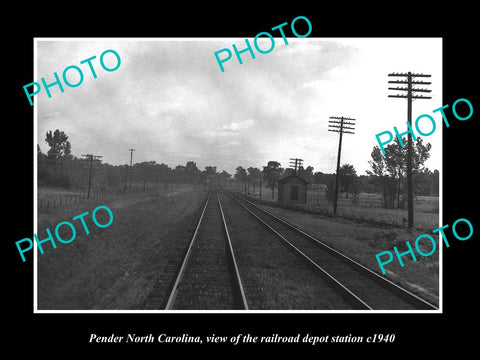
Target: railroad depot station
x,y
292,189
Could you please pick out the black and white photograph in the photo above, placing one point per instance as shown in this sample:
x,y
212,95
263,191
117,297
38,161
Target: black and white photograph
x,y
260,187
237,180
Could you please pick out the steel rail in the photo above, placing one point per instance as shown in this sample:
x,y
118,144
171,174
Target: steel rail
x,y
402,292
229,253
232,258
342,287
173,293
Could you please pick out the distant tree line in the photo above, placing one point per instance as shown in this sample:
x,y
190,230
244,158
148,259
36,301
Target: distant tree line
x,y
386,176
58,168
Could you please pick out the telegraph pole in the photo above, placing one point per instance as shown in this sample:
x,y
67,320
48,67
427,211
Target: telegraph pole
x,y
131,159
131,155
296,163
90,156
126,170
340,127
410,96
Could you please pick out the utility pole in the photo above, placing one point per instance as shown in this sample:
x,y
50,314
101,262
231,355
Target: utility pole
x,y
90,156
126,170
296,163
131,159
410,96
340,127
131,155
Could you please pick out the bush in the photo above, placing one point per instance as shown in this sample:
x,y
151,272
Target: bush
x,y
330,192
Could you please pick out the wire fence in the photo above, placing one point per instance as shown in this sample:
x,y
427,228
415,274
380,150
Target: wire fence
x,y
63,200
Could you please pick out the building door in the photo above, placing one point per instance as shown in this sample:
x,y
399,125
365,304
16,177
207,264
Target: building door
x,y
294,192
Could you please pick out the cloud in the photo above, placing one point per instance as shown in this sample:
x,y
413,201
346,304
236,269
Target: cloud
x,y
170,99
235,127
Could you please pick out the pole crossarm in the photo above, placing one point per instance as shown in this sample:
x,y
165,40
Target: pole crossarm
x,y
409,74
341,118
343,132
410,97
412,82
340,126
407,89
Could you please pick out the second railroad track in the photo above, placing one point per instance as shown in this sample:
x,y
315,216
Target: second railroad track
x,y
360,286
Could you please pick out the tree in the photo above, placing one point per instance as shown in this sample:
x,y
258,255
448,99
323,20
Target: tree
x,y
355,189
436,183
42,172
179,174
271,173
347,175
306,173
426,182
164,173
330,191
391,167
241,175
210,170
112,175
191,172
253,174
57,165
59,145
396,163
378,172
321,178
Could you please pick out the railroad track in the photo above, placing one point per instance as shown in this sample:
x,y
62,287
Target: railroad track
x,y
358,285
208,277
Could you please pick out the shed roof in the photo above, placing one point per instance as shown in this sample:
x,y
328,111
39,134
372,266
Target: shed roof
x,y
292,176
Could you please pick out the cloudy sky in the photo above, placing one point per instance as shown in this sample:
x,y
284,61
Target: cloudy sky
x,y
170,101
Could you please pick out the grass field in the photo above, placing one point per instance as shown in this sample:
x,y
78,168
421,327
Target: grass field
x,y
369,207
363,241
117,267
114,267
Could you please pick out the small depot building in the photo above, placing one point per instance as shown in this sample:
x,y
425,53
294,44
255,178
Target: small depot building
x,y
292,189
